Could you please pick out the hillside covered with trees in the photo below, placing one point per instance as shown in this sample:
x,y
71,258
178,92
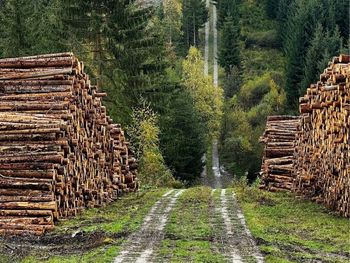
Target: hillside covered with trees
x,y
271,52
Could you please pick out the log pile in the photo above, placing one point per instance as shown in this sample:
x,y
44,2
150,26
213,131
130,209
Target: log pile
x,y
59,151
277,166
323,145
320,166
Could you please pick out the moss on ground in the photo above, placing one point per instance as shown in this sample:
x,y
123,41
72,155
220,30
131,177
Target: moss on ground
x,y
289,229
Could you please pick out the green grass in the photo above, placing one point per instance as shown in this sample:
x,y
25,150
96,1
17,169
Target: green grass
x,y
188,233
293,230
124,215
111,224
100,255
189,251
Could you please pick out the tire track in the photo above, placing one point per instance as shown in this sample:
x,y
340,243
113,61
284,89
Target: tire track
x,y
247,245
232,237
140,245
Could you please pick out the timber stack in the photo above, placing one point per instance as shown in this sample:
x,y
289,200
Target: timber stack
x,y
59,151
277,165
319,169
323,145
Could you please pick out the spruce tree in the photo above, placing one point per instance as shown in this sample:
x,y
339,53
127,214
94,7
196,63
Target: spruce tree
x,y
271,7
182,137
324,46
14,37
301,26
31,27
228,8
45,27
194,15
229,54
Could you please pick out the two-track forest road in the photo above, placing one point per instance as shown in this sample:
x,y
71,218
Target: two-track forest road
x,y
141,245
231,237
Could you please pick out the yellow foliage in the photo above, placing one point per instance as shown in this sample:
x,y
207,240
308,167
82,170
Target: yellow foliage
x,y
144,134
208,99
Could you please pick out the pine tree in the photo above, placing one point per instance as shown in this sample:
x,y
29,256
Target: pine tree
x,y
87,22
232,82
229,54
172,20
138,48
284,10
125,49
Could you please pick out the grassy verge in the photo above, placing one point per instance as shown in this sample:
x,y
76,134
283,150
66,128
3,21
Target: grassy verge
x,y
188,231
293,230
93,236
122,216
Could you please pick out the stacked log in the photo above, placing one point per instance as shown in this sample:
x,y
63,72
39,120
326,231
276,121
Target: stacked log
x,y
59,151
277,166
323,151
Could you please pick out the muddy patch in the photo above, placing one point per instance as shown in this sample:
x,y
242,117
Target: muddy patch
x,y
55,244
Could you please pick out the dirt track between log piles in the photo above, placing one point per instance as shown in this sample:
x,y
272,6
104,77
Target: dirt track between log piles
x,y
141,245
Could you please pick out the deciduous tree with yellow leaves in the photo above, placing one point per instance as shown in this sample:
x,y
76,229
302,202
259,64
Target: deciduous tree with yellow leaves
x,y
208,99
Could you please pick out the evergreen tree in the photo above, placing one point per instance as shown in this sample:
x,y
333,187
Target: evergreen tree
x,y
324,46
284,10
172,20
14,37
229,54
301,25
182,137
228,8
30,27
342,17
271,7
195,15
45,27
232,82
125,49
138,48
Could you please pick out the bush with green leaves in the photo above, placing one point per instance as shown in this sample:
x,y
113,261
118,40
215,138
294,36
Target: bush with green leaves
x,y
144,134
244,122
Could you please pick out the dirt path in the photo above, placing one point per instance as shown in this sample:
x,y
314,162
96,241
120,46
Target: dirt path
x,y
140,245
216,166
232,237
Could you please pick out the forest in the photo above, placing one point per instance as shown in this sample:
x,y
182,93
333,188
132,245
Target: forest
x,y
174,131
149,59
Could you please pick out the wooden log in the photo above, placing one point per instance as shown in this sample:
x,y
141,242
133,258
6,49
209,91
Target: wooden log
x,y
24,213
12,183
29,205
